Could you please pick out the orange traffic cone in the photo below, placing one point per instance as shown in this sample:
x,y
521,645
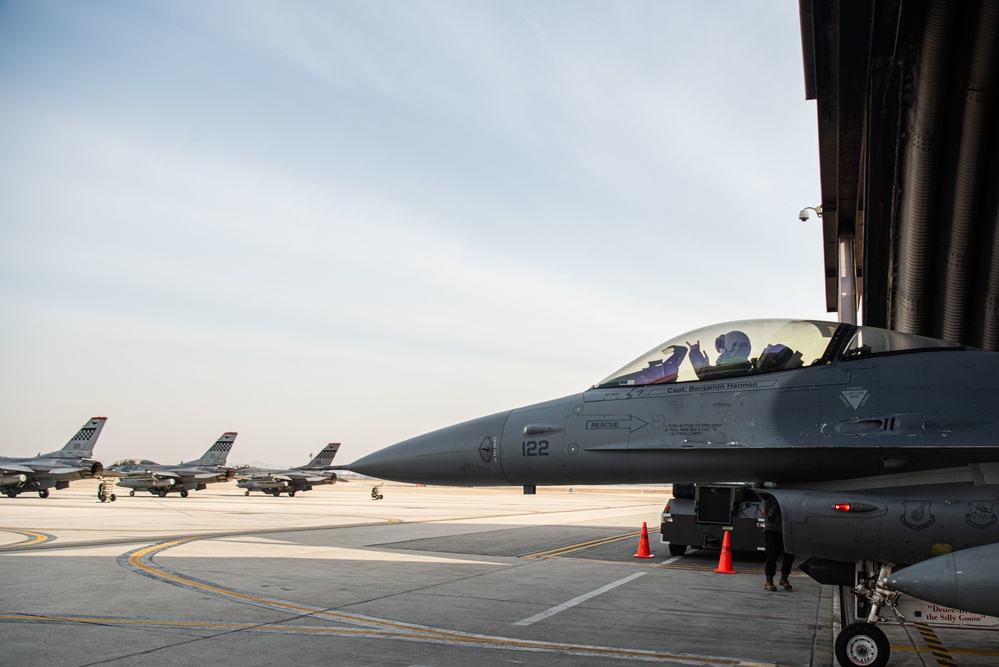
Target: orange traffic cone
x,y
643,543
725,560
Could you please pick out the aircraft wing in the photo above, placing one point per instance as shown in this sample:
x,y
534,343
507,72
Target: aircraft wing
x,y
56,472
207,476
14,468
308,478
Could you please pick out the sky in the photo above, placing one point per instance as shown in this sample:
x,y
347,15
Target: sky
x,y
359,221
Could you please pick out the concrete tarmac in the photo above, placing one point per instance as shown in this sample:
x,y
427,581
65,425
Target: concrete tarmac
x,y
429,577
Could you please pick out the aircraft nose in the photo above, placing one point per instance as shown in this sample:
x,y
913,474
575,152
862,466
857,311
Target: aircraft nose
x,y
461,455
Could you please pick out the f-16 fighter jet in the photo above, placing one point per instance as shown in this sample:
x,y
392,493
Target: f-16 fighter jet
x,y
55,469
316,472
186,476
881,448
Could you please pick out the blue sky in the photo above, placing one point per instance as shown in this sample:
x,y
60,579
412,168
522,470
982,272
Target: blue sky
x,y
361,221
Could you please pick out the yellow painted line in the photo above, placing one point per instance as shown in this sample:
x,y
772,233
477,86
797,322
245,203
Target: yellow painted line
x,y
395,629
984,653
580,546
456,639
33,538
135,561
143,539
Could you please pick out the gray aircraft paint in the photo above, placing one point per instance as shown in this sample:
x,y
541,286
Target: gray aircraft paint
x,y
55,469
143,475
854,411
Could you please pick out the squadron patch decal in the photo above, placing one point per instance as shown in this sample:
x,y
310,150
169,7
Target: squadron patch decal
x,y
917,515
980,515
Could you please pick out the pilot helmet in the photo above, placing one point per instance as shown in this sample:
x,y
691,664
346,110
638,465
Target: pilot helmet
x,y
734,344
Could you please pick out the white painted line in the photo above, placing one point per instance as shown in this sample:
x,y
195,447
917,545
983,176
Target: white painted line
x,y
574,601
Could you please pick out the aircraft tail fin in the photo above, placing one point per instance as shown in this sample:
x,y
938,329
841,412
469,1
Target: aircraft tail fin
x,y
82,444
217,453
325,457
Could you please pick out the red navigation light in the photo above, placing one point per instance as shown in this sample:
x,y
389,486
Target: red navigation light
x,y
854,508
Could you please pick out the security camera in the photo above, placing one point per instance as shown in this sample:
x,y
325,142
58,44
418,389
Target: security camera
x,y
803,216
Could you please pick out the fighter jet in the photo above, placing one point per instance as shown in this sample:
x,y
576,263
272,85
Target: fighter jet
x,y
186,476
55,469
314,473
880,447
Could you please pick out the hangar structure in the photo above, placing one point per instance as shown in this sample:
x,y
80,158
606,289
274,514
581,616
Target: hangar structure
x,y
907,97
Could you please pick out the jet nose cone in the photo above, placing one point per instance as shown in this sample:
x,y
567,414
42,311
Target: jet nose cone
x,y
461,455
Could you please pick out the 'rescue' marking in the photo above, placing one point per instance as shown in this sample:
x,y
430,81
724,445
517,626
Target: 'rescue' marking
x,y
629,423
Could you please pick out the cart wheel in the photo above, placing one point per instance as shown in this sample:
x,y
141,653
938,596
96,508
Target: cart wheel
x,y
862,645
677,549
113,497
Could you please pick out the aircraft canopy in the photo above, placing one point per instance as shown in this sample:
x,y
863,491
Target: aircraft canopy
x,y
751,347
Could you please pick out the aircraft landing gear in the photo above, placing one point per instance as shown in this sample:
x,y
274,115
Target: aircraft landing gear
x,y
11,493
184,493
862,644
44,493
162,493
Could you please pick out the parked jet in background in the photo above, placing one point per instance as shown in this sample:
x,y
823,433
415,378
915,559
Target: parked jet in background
x,y
316,472
55,469
186,476
881,448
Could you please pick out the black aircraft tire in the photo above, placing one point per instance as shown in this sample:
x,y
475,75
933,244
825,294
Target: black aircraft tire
x,y
862,644
131,493
44,493
291,494
184,494
677,549
247,493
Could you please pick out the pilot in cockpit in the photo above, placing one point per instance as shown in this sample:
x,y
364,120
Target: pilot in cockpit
x,y
733,356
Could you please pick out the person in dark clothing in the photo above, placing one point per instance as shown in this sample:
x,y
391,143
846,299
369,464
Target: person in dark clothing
x,y
773,542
